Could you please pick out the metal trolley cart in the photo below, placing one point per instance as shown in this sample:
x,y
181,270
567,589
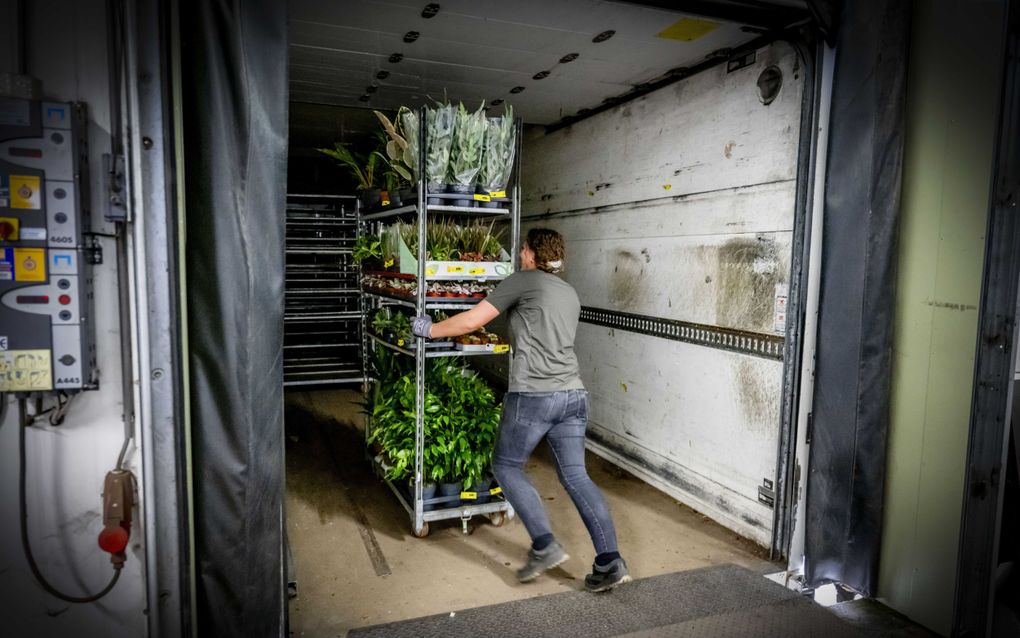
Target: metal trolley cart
x,y
323,308
498,509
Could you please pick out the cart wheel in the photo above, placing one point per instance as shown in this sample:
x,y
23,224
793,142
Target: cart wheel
x,y
498,518
423,532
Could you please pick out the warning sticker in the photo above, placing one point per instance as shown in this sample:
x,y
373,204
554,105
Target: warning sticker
x,y
25,192
29,264
25,370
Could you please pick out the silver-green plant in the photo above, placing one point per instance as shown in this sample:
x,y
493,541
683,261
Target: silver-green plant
x,y
468,143
498,157
409,127
439,128
397,155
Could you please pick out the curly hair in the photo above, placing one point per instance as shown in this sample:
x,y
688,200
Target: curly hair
x,y
549,249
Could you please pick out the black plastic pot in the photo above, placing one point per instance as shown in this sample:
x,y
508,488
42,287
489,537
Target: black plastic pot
x,y
450,489
370,198
428,490
482,489
467,192
435,189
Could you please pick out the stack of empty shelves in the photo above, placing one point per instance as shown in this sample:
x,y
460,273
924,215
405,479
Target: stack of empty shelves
x,y
322,315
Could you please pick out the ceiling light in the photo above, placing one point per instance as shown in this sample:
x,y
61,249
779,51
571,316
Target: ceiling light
x,y
496,102
570,57
430,10
371,88
382,75
517,89
602,37
411,36
541,75
396,57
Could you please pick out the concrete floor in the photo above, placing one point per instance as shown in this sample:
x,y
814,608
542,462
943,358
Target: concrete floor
x,y
356,562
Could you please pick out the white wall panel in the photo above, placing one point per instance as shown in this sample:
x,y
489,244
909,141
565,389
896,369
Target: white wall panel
x,y
680,205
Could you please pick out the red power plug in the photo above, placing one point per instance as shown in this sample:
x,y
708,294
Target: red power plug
x,y
118,501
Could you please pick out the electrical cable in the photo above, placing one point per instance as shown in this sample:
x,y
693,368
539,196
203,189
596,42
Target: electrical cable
x,y
26,546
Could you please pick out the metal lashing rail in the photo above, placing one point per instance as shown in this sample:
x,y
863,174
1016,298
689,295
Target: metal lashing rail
x,y
756,344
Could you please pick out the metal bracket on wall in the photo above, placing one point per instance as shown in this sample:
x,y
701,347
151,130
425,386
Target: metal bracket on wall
x,y
756,344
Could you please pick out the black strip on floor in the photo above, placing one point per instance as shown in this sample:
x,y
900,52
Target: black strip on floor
x,y
724,600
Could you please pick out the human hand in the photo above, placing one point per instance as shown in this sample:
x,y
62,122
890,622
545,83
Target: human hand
x,y
422,326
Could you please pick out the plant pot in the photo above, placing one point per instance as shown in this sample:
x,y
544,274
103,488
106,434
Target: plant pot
x,y
370,198
408,196
460,189
428,490
450,489
482,489
435,189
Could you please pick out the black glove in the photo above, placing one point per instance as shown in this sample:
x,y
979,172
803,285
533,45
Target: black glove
x,y
422,326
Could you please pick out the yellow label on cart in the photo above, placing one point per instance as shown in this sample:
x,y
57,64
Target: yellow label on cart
x,y
496,490
400,342
455,269
469,496
431,270
25,370
482,198
387,263
477,271
497,193
503,347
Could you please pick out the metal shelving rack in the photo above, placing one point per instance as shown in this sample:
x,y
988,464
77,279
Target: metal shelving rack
x,y
499,510
322,312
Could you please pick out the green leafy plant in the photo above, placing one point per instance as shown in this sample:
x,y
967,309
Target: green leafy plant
x,y
367,247
468,143
398,153
498,156
439,122
361,168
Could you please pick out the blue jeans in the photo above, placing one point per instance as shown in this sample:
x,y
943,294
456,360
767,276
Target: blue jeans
x,y
561,417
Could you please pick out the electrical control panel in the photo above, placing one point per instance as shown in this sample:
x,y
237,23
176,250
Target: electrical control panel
x,y
46,338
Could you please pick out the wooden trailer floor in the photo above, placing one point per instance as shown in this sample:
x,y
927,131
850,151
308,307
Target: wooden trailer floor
x,y
357,565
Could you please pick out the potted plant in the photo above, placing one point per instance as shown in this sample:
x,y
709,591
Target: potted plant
x,y
439,135
498,156
362,169
401,156
367,249
466,153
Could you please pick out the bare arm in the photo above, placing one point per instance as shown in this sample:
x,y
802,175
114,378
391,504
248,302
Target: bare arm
x,y
465,322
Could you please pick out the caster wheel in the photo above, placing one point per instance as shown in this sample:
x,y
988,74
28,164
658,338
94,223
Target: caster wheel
x,y
498,518
423,532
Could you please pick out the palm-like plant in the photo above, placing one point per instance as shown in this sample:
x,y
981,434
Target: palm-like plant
x,y
500,146
361,168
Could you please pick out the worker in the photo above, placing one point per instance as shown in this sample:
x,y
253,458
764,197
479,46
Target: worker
x,y
546,398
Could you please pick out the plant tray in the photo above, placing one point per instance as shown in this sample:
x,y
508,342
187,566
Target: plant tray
x,y
495,348
469,200
456,270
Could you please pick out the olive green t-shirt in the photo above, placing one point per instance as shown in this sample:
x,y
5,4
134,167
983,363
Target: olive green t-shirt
x,y
543,311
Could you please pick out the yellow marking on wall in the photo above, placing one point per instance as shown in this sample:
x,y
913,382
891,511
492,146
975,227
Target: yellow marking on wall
x,y
688,29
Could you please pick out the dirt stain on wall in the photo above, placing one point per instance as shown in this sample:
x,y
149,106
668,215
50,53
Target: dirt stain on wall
x,y
625,285
749,269
758,397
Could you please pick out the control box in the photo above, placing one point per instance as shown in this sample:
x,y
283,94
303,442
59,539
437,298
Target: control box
x,y
46,338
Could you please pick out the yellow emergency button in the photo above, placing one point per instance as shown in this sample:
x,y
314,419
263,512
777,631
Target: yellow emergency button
x,y
29,264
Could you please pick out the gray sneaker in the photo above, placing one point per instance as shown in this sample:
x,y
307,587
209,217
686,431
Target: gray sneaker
x,y
606,577
540,561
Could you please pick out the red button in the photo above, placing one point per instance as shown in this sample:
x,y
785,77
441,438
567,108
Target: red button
x,y
64,299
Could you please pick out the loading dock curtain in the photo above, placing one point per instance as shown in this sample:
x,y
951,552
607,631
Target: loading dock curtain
x,y
846,474
234,90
